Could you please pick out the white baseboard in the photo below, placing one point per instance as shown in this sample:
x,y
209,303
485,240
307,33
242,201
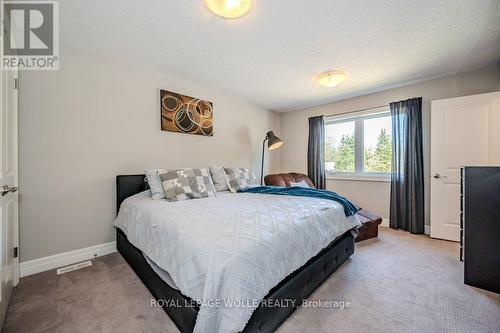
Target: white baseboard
x,y
427,229
75,256
67,258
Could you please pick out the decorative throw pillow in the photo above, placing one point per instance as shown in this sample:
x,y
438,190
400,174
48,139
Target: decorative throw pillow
x,y
219,178
239,178
154,182
302,183
187,184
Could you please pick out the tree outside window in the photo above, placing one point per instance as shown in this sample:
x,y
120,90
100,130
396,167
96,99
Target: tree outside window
x,y
341,155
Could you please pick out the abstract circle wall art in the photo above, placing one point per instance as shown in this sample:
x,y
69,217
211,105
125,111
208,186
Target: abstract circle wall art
x,y
185,114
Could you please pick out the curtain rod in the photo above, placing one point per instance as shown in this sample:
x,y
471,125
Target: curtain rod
x,y
356,111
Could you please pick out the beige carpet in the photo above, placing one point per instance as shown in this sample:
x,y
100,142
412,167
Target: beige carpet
x,y
396,283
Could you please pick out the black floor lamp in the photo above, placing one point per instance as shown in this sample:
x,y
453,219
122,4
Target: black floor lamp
x,y
273,142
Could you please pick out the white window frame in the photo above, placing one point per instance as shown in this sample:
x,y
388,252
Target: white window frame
x,y
359,159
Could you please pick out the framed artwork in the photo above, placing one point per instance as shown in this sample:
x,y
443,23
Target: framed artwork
x,y
185,114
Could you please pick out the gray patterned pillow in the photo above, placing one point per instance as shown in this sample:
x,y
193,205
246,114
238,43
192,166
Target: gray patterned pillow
x,y
187,184
239,178
219,178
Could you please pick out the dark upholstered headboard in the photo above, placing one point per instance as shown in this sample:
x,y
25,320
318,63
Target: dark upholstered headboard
x,y
128,185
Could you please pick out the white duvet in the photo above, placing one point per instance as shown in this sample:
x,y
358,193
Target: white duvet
x,y
229,251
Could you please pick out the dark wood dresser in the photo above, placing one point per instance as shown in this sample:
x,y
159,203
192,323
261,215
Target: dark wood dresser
x,y
480,227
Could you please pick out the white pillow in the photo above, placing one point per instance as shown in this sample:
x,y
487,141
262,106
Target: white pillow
x,y
154,182
302,183
219,178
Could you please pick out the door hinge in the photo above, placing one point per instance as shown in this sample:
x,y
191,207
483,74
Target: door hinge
x,y
16,84
16,252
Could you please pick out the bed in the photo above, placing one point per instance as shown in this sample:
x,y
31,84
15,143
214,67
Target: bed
x,y
279,301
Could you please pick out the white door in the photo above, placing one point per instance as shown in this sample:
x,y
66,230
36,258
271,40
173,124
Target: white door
x,y
464,131
8,188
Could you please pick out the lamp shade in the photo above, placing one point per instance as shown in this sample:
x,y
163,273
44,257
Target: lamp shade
x,y
273,142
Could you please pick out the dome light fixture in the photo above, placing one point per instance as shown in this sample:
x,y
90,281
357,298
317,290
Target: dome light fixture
x,y
331,78
229,9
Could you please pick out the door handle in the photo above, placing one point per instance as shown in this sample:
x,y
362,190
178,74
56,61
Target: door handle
x,y
6,189
437,175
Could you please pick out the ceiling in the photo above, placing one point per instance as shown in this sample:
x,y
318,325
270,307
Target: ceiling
x,y
270,56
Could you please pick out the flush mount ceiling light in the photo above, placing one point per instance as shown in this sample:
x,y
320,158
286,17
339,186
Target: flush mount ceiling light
x,y
331,78
229,9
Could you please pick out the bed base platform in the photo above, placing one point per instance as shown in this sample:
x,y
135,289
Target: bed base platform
x,y
297,286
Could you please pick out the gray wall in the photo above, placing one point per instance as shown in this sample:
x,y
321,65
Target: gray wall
x,y
96,118
375,195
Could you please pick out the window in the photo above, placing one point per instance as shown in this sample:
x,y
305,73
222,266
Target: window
x,y
359,144
340,144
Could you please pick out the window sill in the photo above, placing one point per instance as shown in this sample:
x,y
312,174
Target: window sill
x,y
361,178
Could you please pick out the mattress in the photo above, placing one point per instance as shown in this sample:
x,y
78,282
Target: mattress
x,y
163,274
229,251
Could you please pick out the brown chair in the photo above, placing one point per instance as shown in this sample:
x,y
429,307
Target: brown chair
x,y
284,179
370,221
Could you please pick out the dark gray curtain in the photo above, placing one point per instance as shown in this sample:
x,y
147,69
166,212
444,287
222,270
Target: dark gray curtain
x,y
407,177
316,152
